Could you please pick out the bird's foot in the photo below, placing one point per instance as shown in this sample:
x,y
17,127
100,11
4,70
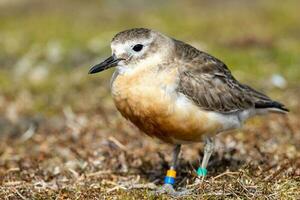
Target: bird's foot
x,y
169,190
199,180
201,172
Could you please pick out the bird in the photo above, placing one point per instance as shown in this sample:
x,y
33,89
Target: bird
x,y
174,92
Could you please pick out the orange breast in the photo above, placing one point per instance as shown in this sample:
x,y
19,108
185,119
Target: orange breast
x,y
149,101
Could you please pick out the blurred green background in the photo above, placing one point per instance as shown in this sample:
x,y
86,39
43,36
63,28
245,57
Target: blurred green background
x,y
47,47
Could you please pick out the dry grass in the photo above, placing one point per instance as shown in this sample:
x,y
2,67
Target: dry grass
x,y
71,157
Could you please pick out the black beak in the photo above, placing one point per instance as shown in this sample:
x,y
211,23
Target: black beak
x,y
106,64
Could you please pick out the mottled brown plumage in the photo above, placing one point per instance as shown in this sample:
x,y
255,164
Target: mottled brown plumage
x,y
209,83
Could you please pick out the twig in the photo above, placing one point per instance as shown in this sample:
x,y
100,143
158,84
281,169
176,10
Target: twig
x,y
75,174
276,173
116,142
151,186
217,194
116,188
99,173
20,195
225,173
245,189
15,169
13,183
29,133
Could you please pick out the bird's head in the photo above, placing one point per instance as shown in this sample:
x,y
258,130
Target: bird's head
x,y
134,48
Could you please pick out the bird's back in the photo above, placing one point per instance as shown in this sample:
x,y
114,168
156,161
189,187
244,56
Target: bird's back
x,y
208,82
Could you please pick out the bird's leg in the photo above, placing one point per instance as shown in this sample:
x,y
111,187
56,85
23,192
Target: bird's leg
x,y
208,150
171,175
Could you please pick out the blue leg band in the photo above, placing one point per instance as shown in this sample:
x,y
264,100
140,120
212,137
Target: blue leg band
x,y
201,171
169,180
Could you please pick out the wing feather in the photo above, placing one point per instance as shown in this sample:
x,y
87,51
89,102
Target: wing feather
x,y
208,83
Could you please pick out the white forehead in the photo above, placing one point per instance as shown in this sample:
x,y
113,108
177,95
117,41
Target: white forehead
x,y
120,46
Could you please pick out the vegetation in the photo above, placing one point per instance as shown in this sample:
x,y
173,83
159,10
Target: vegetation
x,y
62,138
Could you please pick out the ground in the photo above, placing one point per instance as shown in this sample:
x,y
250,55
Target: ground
x,y
62,138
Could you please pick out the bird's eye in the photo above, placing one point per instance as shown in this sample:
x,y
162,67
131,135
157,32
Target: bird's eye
x,y
137,47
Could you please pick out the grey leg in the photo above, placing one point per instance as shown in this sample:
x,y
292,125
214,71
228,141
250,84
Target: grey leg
x,y
171,175
176,152
208,150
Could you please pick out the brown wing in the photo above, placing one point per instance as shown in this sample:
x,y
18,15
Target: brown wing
x,y
208,83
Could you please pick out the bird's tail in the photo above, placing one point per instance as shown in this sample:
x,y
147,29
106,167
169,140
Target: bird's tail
x,y
271,106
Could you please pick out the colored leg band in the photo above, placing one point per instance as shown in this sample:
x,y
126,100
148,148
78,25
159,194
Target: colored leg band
x,y
170,177
201,171
169,180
